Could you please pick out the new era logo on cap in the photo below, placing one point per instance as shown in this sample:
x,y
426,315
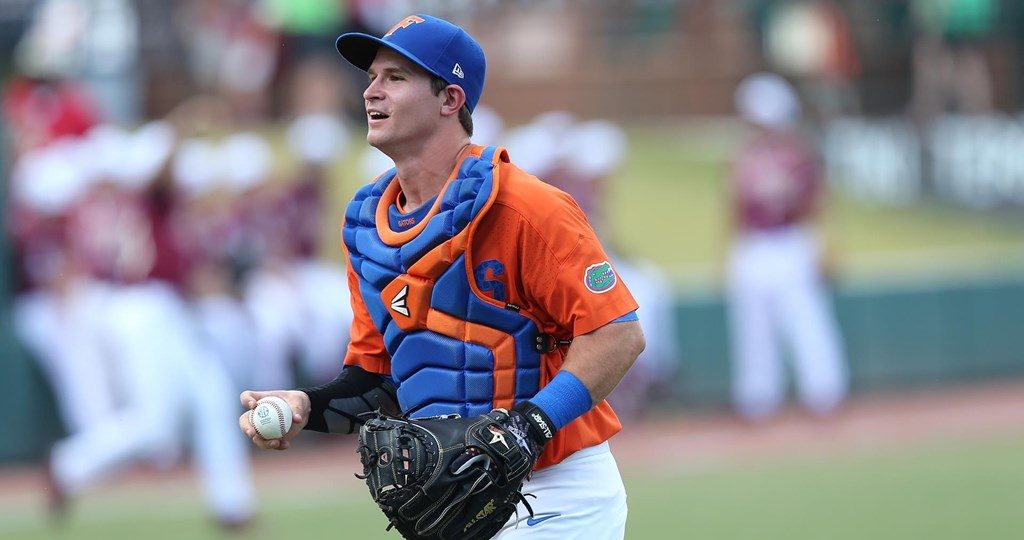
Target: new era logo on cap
x,y
436,45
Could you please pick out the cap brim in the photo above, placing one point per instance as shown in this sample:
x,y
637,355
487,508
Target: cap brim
x,y
358,49
361,49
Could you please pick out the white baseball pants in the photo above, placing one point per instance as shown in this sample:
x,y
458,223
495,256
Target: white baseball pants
x,y
776,295
580,498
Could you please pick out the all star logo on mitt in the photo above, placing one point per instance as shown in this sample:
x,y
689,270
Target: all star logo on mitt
x,y
487,510
599,278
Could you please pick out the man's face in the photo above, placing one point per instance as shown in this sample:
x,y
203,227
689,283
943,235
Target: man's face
x,y
400,108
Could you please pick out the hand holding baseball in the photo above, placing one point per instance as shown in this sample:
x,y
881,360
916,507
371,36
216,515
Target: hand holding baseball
x,y
261,423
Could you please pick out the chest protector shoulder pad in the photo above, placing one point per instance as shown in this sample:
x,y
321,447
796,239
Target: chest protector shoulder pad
x,y
452,350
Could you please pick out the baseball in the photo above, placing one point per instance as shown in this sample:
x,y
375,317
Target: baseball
x,y
271,418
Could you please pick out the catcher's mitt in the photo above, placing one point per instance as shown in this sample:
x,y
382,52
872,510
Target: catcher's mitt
x,y
445,477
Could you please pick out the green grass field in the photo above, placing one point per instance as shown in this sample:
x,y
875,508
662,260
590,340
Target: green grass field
x,y
945,491
956,491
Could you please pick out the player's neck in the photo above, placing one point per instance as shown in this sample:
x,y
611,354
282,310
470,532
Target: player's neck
x,y
424,172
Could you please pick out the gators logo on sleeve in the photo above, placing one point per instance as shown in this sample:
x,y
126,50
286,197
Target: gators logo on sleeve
x,y
600,277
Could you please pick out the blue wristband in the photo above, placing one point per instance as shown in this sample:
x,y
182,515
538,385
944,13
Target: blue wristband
x,y
564,399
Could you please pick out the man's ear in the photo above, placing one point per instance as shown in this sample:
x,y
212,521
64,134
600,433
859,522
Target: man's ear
x,y
454,100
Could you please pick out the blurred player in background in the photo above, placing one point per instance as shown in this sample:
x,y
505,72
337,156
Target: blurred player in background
x,y
215,240
582,159
51,312
776,285
125,250
299,301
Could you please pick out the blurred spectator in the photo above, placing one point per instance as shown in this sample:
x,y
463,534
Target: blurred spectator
x,y
776,286
95,41
308,27
314,87
811,40
951,72
307,30
232,52
39,109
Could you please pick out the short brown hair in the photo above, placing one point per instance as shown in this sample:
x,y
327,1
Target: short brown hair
x,y
437,85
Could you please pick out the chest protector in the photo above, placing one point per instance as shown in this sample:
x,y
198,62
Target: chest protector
x,y
452,349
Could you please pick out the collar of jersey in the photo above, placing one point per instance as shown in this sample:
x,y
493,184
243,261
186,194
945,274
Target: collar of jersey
x,y
394,189
395,214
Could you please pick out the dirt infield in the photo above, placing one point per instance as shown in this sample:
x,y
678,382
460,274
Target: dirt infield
x,y
869,424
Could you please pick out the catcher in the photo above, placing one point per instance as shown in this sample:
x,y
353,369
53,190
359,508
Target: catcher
x,y
489,325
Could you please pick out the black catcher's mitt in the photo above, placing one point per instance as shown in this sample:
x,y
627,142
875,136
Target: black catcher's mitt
x,y
447,477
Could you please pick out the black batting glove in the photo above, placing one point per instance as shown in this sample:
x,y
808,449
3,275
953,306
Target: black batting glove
x,y
532,427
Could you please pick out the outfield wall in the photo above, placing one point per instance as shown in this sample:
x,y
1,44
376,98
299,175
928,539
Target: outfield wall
x,y
896,335
20,387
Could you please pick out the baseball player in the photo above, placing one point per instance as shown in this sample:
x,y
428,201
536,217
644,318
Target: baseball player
x,y
776,287
475,286
51,314
121,234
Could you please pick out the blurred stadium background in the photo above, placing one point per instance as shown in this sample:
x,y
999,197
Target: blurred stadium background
x,y
236,122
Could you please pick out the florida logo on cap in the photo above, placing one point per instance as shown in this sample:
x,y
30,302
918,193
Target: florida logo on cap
x,y
443,49
404,23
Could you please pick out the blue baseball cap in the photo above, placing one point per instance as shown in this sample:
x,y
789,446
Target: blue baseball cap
x,y
436,45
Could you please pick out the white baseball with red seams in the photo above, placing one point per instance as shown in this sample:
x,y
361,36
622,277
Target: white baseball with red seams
x,y
271,418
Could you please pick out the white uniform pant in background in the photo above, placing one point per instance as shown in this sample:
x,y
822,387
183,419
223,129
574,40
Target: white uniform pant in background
x,y
169,382
581,498
301,312
327,317
60,333
776,294
228,330
276,312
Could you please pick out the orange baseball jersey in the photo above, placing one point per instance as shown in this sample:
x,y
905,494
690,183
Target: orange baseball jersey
x,y
527,252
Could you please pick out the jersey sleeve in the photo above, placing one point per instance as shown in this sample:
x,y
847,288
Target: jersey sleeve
x,y
568,273
366,348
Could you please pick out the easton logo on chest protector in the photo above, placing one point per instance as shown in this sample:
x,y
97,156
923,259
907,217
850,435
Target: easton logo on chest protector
x,y
398,302
600,277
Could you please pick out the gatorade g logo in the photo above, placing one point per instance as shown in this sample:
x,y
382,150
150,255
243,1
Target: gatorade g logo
x,y
599,278
405,23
